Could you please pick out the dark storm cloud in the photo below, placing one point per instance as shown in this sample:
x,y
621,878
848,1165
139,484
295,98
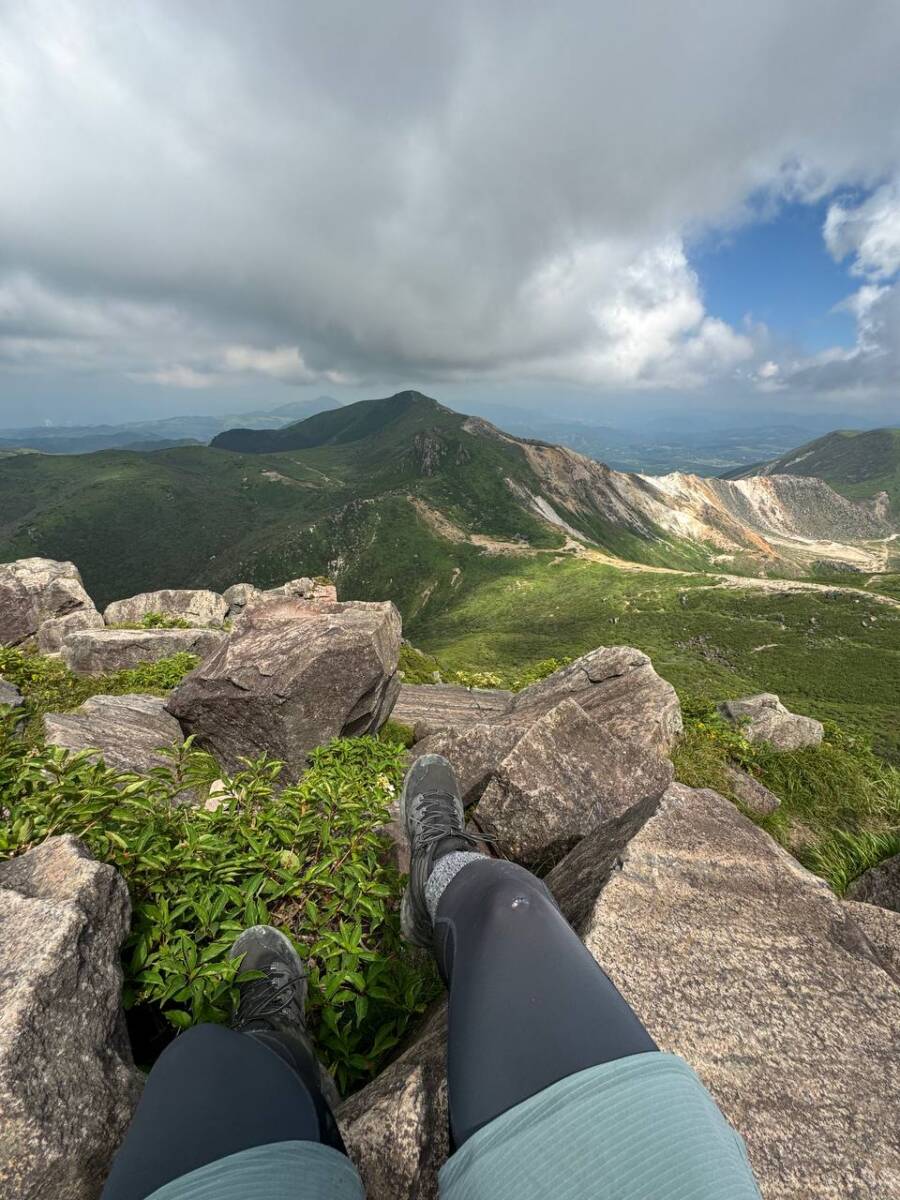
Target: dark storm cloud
x,y
195,194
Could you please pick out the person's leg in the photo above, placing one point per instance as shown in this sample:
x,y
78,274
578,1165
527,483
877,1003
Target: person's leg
x,y
528,1003
216,1091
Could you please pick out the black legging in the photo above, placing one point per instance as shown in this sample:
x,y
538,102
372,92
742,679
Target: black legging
x,y
528,1006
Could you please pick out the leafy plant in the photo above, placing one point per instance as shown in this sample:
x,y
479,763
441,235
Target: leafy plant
x,y
306,857
155,620
49,686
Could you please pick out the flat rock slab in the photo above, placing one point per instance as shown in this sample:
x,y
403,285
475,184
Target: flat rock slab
x,y
197,606
34,589
127,732
53,632
290,677
749,967
102,651
763,718
10,695
430,707
68,1086
879,885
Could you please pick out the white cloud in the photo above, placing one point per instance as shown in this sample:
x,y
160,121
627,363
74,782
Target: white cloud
x,y
202,194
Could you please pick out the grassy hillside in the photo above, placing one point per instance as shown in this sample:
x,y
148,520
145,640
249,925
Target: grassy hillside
x,y
857,464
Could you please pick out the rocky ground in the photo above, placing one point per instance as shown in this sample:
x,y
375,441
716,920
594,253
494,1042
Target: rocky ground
x,y
784,998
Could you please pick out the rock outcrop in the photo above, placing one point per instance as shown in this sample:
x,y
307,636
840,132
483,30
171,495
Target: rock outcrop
x,y
879,885
100,651
12,698
196,606
127,732
238,596
291,676
785,1000
68,1086
753,795
33,590
764,718
578,747
431,707
53,632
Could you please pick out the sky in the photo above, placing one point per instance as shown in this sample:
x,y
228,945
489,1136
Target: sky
x,y
585,209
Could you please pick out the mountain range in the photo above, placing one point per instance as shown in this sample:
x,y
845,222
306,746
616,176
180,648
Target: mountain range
x,y
401,496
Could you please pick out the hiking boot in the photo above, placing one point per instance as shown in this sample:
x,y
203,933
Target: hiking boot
x,y
431,811
275,1002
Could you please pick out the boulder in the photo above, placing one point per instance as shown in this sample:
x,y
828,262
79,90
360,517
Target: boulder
x,y
616,686
127,732
430,708
33,589
304,589
764,718
785,1000
100,651
752,794
748,966
879,885
197,606
10,695
68,1086
564,775
53,632
396,1128
476,753
291,676
238,596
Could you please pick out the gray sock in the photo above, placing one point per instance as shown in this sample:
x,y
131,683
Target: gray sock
x,y
447,867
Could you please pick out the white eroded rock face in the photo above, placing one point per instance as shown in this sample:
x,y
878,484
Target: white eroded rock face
x,y
101,651
33,590
68,1086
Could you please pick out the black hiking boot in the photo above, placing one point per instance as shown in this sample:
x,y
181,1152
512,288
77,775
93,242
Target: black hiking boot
x,y
273,1006
432,814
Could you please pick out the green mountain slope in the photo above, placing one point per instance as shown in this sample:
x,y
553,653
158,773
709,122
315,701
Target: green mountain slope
x,y
856,464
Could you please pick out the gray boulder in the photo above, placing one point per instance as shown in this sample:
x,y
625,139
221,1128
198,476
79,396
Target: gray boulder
x,y
562,777
879,885
197,606
68,1086
749,967
752,794
34,589
430,708
100,651
764,718
304,589
53,632
12,698
616,686
291,676
238,596
784,999
127,732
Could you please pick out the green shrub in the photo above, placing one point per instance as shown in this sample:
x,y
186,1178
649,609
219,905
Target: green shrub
x,y
49,686
158,620
306,858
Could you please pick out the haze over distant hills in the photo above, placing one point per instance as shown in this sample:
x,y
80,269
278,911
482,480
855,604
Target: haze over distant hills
x,y
153,435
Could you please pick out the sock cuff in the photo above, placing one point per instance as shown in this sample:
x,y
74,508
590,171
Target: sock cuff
x,y
447,867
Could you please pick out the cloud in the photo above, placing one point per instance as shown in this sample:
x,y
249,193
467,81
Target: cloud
x,y
199,194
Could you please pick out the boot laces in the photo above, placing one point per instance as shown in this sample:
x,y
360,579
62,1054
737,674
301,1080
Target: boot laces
x,y
268,997
436,813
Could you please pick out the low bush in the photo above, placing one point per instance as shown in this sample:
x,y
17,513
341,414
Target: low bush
x,y
840,802
49,686
306,857
155,620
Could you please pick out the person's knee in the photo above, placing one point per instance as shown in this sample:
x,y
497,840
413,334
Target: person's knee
x,y
199,1044
511,887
